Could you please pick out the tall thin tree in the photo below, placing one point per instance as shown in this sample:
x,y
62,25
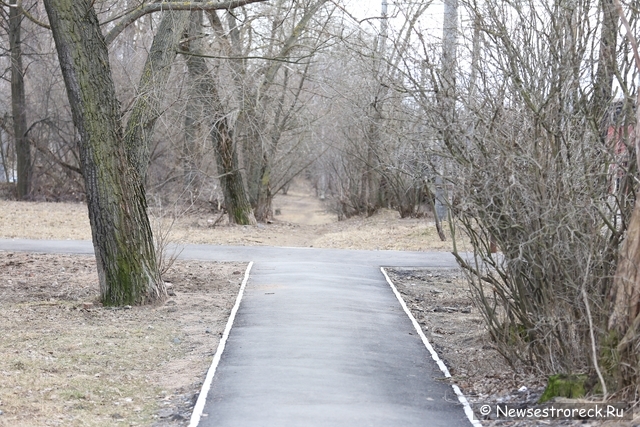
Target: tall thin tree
x,y
18,101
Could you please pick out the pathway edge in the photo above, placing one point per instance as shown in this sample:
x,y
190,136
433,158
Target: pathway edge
x,y
461,398
202,397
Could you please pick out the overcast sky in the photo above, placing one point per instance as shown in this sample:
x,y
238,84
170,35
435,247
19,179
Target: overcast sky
x,y
364,8
431,20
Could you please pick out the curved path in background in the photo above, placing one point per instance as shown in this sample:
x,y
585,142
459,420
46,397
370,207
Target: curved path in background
x,y
319,340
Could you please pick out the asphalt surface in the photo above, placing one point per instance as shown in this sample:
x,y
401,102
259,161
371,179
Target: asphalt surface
x,y
319,340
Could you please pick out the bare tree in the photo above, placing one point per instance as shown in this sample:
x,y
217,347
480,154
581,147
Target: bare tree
x,y
536,174
382,157
152,87
221,134
265,115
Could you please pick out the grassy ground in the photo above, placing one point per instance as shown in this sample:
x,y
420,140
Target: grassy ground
x,y
303,221
67,361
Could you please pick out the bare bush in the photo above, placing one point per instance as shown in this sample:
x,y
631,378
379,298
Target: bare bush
x,y
537,177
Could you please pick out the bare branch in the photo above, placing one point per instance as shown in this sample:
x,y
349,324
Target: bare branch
x,y
27,15
146,9
634,45
630,37
277,59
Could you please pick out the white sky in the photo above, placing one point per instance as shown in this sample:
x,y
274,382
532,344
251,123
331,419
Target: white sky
x,y
431,20
363,8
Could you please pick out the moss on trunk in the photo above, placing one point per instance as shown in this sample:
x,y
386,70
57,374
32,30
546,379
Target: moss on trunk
x,y
122,239
561,385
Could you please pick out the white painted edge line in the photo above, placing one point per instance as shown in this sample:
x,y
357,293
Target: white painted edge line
x,y
463,400
202,398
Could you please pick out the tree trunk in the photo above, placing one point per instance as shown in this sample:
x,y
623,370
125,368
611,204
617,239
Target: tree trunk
x,y
622,357
122,239
624,322
626,296
192,118
235,197
264,210
252,150
370,196
246,123
18,103
446,97
152,87
603,84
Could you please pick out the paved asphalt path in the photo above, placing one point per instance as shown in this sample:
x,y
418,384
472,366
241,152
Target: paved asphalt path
x,y
319,340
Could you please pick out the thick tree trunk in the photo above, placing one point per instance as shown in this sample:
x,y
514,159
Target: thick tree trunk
x,y
18,104
235,196
122,239
152,87
626,296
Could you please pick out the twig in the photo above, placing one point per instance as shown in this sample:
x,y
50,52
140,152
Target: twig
x,y
593,338
28,15
222,214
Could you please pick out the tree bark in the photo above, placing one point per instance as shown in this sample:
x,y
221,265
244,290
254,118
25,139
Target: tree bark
x,y
247,122
624,322
264,210
235,198
221,135
152,87
127,265
18,103
446,97
192,119
626,287
603,84
370,187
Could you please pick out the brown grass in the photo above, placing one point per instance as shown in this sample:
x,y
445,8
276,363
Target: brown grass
x,y
66,361
304,221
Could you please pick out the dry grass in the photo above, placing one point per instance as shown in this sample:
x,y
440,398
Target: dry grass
x,y
303,222
66,361
41,220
